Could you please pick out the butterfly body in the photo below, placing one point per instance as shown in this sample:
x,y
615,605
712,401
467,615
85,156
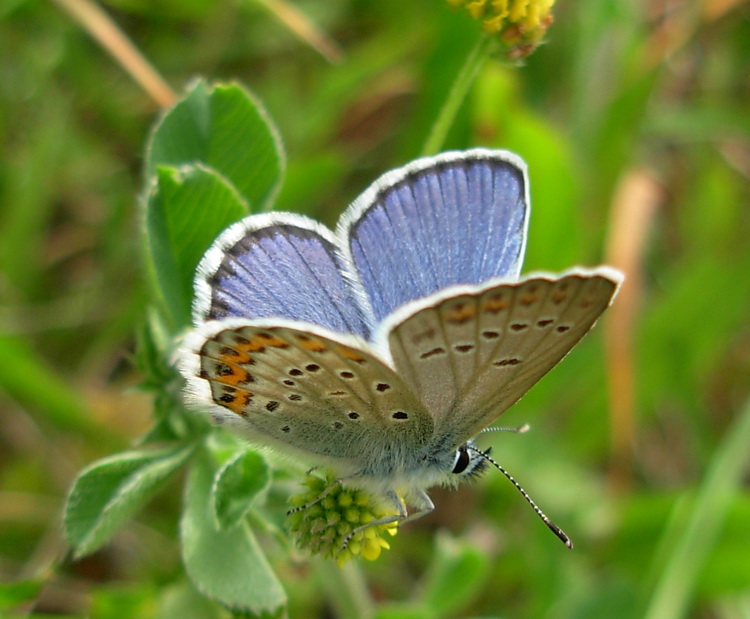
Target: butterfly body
x,y
382,350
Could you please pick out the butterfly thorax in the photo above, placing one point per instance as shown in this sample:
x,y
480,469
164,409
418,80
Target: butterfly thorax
x,y
421,469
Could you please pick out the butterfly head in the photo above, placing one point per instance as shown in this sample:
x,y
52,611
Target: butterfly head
x,y
469,462
419,470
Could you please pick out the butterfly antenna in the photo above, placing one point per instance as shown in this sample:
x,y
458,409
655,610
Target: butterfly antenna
x,y
522,429
550,525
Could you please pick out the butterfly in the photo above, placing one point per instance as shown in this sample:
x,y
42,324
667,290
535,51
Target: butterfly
x,y
381,350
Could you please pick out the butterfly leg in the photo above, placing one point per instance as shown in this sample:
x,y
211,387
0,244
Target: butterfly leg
x,y
401,516
317,499
417,498
422,504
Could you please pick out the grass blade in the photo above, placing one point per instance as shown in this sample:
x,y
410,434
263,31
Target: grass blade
x,y
677,580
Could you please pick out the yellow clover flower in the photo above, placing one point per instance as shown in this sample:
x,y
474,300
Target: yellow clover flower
x,y
324,526
520,25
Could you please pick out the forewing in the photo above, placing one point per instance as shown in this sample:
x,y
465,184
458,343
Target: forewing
x,y
277,265
303,389
457,218
470,353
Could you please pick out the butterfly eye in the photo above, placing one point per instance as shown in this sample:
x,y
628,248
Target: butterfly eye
x,y
462,460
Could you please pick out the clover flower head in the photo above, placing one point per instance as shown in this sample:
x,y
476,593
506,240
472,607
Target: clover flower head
x,y
519,25
324,526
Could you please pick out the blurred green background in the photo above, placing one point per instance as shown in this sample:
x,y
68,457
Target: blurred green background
x,y
634,121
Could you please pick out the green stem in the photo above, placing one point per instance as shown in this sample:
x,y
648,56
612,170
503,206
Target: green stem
x,y
346,588
456,96
698,535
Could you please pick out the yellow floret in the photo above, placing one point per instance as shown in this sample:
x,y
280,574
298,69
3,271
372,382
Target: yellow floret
x,y
520,25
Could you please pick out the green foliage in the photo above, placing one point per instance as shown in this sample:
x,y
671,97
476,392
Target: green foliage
x,y
225,564
224,128
14,594
185,211
618,87
108,492
47,392
236,485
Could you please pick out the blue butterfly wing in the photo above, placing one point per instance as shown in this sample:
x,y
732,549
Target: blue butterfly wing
x,y
457,218
277,265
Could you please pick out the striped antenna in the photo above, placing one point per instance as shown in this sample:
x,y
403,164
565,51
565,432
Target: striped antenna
x,y
550,525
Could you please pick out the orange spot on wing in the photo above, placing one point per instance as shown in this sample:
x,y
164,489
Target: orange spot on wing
x,y
234,375
460,314
350,354
226,353
496,304
272,340
236,400
243,358
240,403
257,343
254,344
312,344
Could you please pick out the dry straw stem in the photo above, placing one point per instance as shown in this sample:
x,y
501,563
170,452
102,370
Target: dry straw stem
x,y
99,25
636,201
678,24
304,29
714,9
